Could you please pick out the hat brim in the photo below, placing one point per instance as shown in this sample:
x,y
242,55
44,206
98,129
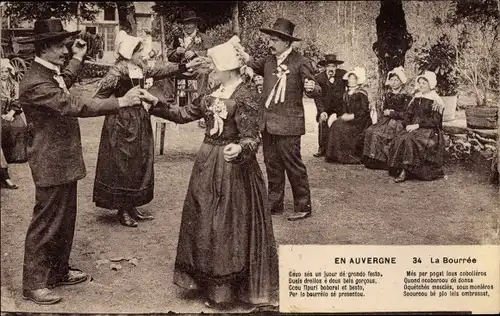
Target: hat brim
x,y
327,62
46,37
193,19
279,34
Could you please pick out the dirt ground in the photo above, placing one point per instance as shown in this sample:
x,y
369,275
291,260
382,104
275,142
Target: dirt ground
x,y
351,205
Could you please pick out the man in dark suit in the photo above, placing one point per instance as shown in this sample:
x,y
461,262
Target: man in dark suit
x,y
55,156
332,91
287,74
186,46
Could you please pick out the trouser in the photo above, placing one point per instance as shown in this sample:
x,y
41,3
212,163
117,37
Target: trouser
x,y
4,174
282,154
50,236
322,136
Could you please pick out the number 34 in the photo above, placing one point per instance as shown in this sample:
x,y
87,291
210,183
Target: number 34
x,y
417,260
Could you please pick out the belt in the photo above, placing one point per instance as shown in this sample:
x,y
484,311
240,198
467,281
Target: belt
x,y
219,141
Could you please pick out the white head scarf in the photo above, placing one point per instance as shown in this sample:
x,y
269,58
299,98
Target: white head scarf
x,y
5,63
398,71
127,46
430,77
360,74
225,56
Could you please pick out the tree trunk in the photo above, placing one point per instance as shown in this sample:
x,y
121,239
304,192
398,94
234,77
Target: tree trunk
x,y
236,18
393,41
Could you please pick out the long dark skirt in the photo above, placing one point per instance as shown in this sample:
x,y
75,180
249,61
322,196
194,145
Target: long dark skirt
x,y
14,140
345,143
226,243
420,152
124,173
377,141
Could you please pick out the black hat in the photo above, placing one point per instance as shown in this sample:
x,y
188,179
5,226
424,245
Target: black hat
x,y
330,59
189,16
50,29
282,28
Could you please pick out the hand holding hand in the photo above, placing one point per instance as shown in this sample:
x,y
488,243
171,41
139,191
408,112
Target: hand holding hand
x,y
411,128
323,116
148,97
79,48
309,85
199,63
180,50
189,54
232,151
131,98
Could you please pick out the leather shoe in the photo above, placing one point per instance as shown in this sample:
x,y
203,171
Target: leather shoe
x,y
138,215
319,154
125,219
73,277
299,215
273,212
401,177
41,296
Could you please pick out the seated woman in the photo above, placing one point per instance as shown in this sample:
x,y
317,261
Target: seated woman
x,y
346,133
379,136
419,150
13,123
226,247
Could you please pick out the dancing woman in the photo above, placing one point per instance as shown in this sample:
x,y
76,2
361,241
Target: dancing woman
x,y
124,176
226,245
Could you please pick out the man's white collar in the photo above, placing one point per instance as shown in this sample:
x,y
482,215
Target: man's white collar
x,y
48,64
283,55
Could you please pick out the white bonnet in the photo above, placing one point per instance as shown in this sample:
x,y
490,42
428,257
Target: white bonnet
x,y
225,56
127,45
398,71
359,72
430,77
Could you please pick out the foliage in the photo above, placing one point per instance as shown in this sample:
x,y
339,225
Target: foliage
x,y
65,10
91,70
483,12
478,25
220,33
440,57
212,12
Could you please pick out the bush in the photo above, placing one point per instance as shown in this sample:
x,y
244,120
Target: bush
x,y
220,33
441,58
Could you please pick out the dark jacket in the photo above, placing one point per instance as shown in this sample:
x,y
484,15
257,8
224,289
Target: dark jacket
x,y
54,146
285,118
332,94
